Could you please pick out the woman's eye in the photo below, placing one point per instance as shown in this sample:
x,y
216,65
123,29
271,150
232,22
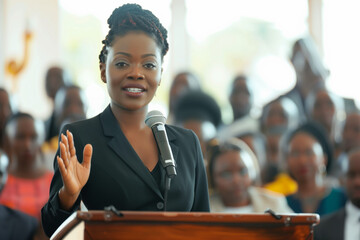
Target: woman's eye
x,y
121,64
150,65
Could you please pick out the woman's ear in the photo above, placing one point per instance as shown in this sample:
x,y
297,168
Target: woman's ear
x,y
102,67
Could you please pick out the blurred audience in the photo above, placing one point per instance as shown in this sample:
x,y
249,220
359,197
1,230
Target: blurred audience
x,y
198,111
280,112
271,167
28,182
350,140
14,224
255,140
241,100
344,223
310,72
5,112
182,83
70,106
277,117
55,79
327,109
308,153
234,172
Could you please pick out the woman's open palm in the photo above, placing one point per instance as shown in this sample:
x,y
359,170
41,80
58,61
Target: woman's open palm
x,y
74,174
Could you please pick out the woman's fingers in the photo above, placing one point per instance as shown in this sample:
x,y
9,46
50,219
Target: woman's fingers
x,y
87,154
63,154
61,166
70,139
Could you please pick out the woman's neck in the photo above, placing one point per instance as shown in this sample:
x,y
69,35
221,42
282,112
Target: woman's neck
x,y
308,188
134,120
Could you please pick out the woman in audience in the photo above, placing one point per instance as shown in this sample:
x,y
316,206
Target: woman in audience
x,y
28,183
280,112
278,116
307,154
328,110
182,83
233,173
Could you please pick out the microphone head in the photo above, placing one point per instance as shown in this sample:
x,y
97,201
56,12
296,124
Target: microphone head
x,y
154,117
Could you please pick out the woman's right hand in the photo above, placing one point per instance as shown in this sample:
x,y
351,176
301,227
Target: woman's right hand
x,y
74,174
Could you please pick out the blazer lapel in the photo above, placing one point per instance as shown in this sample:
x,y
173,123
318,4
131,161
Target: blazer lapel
x,y
125,151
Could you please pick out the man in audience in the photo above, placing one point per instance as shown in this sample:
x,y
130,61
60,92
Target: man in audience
x,y
241,100
350,140
54,80
345,223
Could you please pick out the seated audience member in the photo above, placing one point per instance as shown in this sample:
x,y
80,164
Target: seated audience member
x,y
55,78
327,109
307,155
310,72
199,112
70,105
278,116
241,101
350,140
182,83
280,112
13,224
256,142
5,112
271,167
28,183
344,224
233,172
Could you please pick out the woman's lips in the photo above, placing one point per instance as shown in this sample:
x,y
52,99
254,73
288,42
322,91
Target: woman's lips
x,y
134,92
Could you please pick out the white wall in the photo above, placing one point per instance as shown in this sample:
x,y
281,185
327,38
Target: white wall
x,y
42,18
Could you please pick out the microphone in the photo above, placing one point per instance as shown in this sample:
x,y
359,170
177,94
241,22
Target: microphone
x,y
156,121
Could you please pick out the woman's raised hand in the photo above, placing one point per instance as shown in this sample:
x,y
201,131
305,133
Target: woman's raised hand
x,y
74,174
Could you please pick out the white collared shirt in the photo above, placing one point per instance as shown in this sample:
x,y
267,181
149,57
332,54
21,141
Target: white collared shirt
x,y
352,222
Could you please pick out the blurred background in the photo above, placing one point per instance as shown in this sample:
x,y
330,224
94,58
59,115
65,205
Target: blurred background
x,y
216,40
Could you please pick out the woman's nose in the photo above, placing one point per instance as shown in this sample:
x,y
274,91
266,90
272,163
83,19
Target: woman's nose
x,y
136,73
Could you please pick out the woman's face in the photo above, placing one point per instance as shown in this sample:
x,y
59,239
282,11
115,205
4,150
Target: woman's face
x,y
231,178
24,142
305,157
324,109
132,70
276,115
240,98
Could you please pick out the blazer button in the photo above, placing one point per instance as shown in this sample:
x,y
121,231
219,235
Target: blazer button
x,y
160,205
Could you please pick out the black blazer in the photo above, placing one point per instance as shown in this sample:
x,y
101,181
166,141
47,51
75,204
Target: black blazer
x,y
331,227
118,177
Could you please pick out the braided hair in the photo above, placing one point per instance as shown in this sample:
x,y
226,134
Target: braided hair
x,y
131,17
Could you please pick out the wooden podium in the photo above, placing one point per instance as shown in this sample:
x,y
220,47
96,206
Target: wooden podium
x,y
180,225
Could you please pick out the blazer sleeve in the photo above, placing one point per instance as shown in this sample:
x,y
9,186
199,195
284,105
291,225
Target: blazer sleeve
x,y
201,202
52,216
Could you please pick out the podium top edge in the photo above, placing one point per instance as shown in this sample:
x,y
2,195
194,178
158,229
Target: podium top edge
x,y
200,217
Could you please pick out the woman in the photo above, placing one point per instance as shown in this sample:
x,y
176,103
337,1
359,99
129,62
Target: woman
x,y
307,155
120,148
28,182
233,173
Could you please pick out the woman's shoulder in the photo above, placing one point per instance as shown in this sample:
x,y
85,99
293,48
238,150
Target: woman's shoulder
x,y
176,132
